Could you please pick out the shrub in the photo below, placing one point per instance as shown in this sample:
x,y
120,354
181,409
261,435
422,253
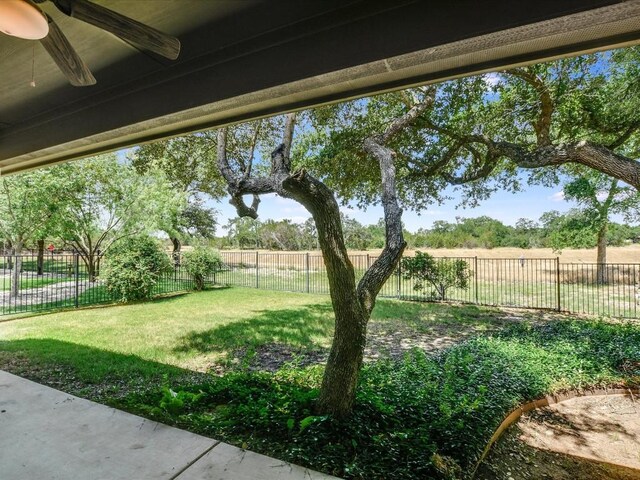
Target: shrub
x,y
442,274
133,268
201,263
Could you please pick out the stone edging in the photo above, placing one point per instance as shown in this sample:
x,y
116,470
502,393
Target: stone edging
x,y
515,414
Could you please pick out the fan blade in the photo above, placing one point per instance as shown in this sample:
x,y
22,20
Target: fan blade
x,y
73,67
124,27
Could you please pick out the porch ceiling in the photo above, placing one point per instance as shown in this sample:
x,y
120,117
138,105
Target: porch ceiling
x,y
242,59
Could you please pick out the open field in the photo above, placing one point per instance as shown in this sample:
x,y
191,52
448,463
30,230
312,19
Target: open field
x,y
627,254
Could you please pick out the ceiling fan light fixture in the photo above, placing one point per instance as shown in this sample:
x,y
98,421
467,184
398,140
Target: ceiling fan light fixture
x,y
21,19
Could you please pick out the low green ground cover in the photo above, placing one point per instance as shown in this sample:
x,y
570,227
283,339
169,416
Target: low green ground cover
x,y
421,416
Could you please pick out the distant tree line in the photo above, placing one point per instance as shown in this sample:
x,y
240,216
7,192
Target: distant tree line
x,y
573,229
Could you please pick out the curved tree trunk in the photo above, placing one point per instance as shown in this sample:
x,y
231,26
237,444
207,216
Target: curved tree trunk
x,y
177,247
347,349
91,267
352,305
601,259
91,261
9,250
40,262
17,268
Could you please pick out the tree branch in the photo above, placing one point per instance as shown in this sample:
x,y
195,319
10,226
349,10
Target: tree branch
x,y
624,136
408,118
238,187
252,150
585,153
223,162
542,126
242,208
483,168
376,276
287,138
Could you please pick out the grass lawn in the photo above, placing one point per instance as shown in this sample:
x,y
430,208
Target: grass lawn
x,y
616,300
195,331
437,381
188,332
31,281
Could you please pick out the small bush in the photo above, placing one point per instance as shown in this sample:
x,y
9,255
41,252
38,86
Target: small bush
x,y
133,268
201,263
441,274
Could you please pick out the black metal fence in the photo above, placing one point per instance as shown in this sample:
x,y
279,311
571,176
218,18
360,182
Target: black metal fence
x,y
29,283
537,283
32,283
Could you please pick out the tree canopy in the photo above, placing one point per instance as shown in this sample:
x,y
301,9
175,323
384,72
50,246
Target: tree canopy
x,y
108,200
502,130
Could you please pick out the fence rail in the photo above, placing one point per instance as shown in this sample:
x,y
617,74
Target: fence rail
x,y
29,283
32,283
537,283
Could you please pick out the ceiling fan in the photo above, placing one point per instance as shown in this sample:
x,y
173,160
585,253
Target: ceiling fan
x,y
24,19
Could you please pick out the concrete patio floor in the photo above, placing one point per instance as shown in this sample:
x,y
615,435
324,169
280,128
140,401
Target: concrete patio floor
x,y
48,434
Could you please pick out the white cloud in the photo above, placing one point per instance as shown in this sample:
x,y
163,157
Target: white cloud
x,y
432,213
288,206
492,79
294,209
557,197
348,210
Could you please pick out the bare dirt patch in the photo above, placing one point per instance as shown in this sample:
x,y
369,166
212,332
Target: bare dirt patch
x,y
595,438
393,337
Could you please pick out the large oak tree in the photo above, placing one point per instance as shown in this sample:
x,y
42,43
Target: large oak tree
x,y
546,123
352,303
406,148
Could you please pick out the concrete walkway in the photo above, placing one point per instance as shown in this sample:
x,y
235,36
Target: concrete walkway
x,y
48,434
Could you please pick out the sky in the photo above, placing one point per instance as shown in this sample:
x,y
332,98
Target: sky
x,y
503,206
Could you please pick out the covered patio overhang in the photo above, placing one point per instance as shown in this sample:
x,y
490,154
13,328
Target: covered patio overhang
x,y
242,60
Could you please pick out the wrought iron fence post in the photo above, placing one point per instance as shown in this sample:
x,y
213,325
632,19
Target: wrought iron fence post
x,y
308,273
257,273
475,276
558,283
76,261
399,278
